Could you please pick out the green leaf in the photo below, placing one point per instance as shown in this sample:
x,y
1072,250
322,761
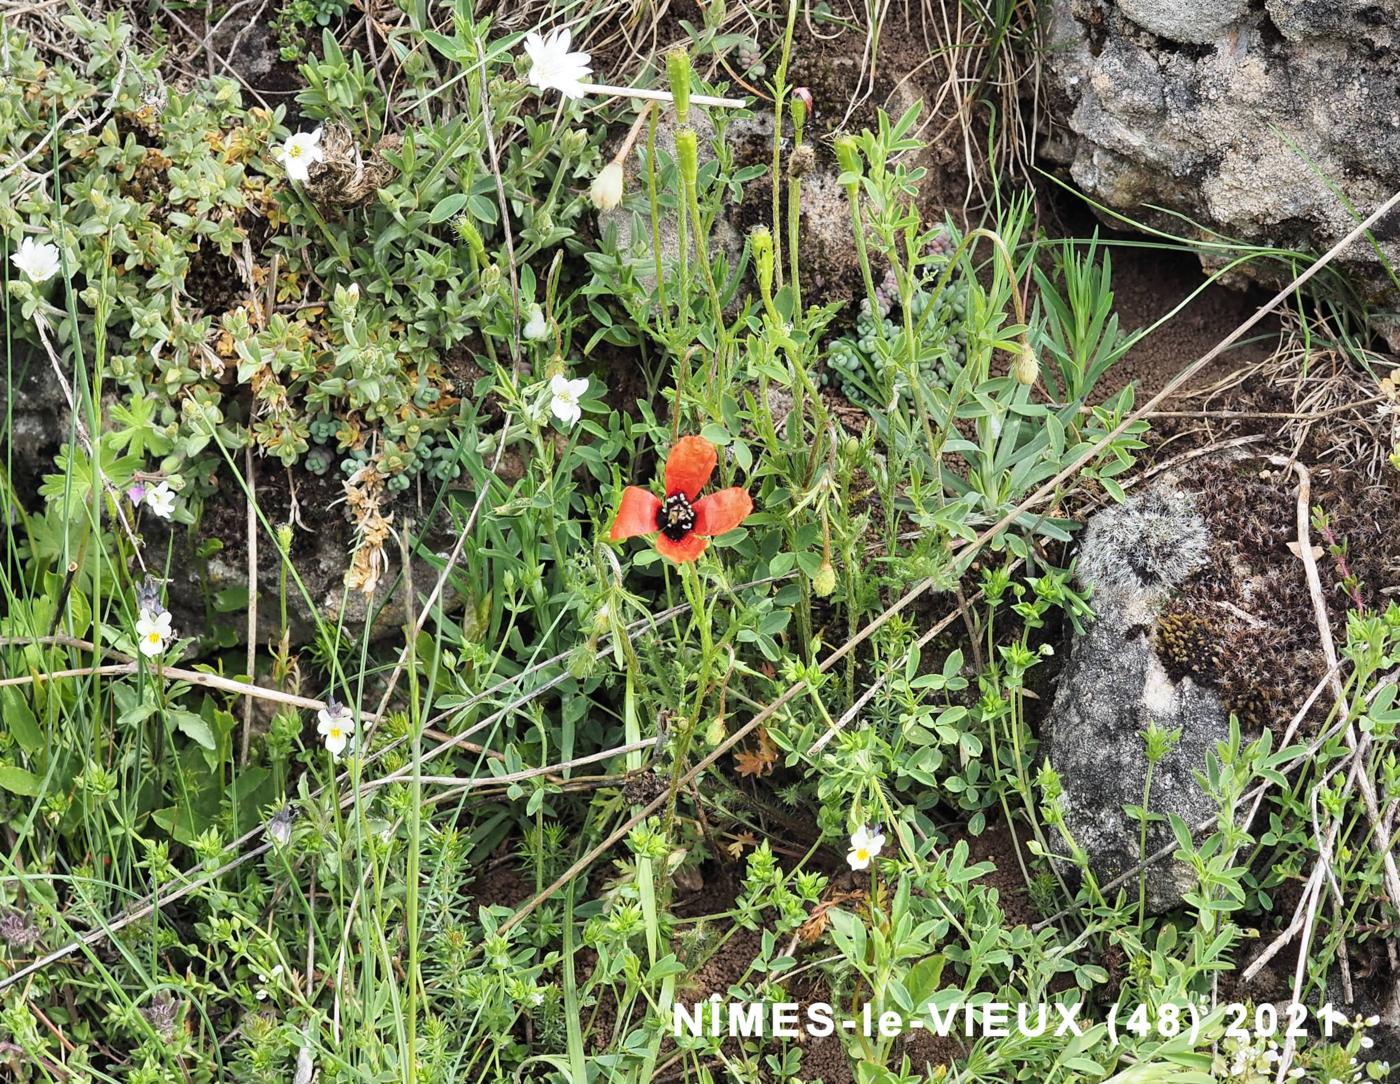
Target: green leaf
x,y
193,727
20,721
447,207
19,781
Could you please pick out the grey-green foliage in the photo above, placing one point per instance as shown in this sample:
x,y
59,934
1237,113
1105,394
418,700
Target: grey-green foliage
x,y
862,371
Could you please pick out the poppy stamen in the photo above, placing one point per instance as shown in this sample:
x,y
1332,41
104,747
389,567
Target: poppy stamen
x,y
676,517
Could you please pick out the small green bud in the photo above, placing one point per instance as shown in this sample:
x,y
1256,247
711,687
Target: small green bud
x,y
848,154
761,245
688,155
573,143
678,72
824,580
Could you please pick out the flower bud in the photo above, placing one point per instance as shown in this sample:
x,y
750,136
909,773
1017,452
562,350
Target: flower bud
x,y
466,231
1026,368
761,245
800,108
678,72
688,156
848,154
573,143
606,190
824,580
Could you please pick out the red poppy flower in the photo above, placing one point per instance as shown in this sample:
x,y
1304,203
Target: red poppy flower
x,y
684,519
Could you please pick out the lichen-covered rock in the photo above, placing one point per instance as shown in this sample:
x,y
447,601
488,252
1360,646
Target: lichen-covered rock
x,y
1273,124
1115,686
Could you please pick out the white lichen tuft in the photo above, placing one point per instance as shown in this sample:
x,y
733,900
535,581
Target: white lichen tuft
x,y
1144,546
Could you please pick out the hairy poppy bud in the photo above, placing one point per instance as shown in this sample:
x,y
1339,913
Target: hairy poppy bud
x,y
1026,368
801,106
606,190
678,72
824,580
848,154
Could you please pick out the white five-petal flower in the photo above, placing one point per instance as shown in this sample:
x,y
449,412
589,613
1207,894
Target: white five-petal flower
x,y
153,631
336,725
553,67
866,843
564,396
536,327
299,152
38,261
161,500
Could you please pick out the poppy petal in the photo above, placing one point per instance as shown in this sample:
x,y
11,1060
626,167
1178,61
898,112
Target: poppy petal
x,y
722,511
689,466
688,548
636,514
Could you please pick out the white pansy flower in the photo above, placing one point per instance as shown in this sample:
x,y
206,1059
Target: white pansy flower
x,y
606,190
299,152
336,726
553,67
38,261
536,327
153,631
564,396
866,843
161,500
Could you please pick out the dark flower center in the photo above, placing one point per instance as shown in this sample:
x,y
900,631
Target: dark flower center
x,y
676,519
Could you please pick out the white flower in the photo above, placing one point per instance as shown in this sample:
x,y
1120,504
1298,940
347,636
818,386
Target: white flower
x,y
337,726
553,67
865,845
564,397
38,261
161,500
606,190
153,631
537,998
266,981
537,327
299,152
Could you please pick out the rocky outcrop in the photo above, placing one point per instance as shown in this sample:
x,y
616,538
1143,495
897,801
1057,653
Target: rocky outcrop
x,y
1114,687
1273,123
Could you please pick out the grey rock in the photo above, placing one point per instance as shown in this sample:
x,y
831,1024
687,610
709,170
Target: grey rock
x,y
1273,125
631,220
1185,20
1114,687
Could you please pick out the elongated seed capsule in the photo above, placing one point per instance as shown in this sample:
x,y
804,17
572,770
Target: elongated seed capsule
x,y
678,72
688,156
